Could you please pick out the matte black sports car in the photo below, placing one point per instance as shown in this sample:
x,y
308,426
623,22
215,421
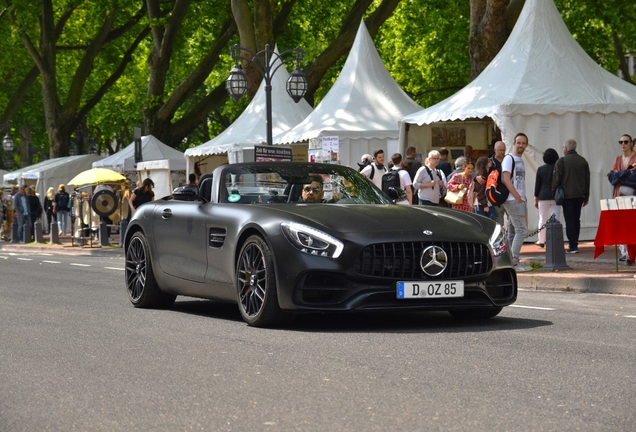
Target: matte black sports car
x,y
279,238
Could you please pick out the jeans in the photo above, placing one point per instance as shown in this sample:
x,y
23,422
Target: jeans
x,y
62,216
572,215
427,202
479,209
22,220
517,227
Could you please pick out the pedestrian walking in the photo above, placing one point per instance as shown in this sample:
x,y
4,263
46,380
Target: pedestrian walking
x,y
543,196
572,172
514,177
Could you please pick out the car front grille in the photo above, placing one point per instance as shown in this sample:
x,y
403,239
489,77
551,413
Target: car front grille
x,y
402,260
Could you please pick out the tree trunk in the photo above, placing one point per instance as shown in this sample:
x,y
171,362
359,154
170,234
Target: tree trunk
x,y
487,33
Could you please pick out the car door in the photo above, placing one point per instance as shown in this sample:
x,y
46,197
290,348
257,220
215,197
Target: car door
x,y
180,237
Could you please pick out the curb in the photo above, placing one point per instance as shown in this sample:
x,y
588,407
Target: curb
x,y
623,285
63,250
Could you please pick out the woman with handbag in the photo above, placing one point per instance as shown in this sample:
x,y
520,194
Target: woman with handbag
x,y
543,198
460,188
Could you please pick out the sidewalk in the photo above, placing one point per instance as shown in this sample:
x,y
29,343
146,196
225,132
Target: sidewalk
x,y
66,247
585,274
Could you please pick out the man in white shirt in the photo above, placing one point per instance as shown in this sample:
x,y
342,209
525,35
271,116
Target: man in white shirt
x,y
375,170
429,180
405,180
514,177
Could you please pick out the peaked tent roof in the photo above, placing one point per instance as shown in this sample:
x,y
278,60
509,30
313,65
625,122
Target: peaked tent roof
x,y
151,148
364,102
540,70
250,127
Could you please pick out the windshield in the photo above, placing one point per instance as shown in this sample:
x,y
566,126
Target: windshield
x,y
293,183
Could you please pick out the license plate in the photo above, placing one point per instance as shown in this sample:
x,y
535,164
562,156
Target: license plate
x,y
438,289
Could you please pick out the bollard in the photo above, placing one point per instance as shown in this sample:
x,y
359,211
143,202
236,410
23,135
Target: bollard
x,y
554,250
14,232
103,233
123,226
39,235
26,233
55,233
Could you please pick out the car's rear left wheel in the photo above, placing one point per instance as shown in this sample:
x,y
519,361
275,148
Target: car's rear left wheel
x,y
256,284
141,284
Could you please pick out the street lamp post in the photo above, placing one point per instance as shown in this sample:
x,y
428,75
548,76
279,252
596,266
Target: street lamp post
x,y
7,145
236,83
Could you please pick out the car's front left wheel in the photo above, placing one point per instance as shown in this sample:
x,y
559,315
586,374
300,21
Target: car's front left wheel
x,y
141,285
256,284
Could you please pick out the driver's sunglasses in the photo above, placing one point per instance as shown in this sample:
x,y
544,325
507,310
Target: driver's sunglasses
x,y
311,189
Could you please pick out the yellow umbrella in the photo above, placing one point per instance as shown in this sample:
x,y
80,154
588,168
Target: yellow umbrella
x,y
96,176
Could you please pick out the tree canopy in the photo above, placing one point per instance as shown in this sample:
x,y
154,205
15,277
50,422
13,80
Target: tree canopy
x,y
83,71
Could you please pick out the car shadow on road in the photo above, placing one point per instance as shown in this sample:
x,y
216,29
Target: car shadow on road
x,y
366,322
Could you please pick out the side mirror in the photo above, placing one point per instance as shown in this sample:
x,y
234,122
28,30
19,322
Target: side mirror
x,y
395,193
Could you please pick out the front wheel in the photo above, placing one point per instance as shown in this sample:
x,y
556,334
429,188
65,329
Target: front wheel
x,y
256,284
141,284
476,313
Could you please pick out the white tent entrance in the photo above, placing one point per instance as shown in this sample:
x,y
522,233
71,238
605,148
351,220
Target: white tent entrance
x,y
543,84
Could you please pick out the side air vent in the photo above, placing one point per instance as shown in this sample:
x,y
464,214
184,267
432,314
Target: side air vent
x,y
217,237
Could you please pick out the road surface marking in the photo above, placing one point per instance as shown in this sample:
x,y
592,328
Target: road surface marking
x,y
80,265
630,316
52,262
25,259
114,268
532,307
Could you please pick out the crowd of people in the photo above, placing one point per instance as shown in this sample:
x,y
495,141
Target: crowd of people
x,y
23,207
431,181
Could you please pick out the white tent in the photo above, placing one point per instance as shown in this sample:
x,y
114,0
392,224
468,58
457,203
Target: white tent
x,y
542,83
151,149
249,128
51,172
362,108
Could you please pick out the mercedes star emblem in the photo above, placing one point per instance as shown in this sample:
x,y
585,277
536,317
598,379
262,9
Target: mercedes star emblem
x,y
433,261
428,232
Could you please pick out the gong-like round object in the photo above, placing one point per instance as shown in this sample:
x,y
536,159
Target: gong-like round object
x,y
104,203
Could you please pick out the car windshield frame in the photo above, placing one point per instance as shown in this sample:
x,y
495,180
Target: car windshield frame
x,y
283,182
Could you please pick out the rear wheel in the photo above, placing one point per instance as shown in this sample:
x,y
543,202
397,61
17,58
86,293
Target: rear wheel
x,y
256,284
476,313
141,285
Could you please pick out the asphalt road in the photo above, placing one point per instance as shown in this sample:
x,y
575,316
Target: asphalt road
x,y
75,355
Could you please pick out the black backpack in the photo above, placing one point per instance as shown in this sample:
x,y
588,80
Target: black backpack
x,y
496,191
391,179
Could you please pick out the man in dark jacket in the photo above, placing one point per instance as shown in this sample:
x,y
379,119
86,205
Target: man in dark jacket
x,y
572,172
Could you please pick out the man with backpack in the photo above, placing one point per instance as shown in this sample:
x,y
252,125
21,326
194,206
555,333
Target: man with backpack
x,y
398,178
497,158
514,178
375,170
430,181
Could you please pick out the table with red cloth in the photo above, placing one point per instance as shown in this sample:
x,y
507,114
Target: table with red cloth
x,y
616,227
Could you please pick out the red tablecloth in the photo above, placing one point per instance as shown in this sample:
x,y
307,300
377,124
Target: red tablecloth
x,y
616,227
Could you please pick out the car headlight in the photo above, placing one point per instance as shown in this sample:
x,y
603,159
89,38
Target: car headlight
x,y
499,240
312,241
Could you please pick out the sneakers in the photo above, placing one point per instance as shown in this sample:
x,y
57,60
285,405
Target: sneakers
x,y
521,268
572,251
623,258
541,245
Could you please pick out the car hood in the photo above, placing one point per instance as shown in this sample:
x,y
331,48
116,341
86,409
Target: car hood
x,y
393,221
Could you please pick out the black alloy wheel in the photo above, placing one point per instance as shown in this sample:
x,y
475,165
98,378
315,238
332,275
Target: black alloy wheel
x,y
141,285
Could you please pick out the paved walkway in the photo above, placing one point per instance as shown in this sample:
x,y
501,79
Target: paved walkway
x,y
585,274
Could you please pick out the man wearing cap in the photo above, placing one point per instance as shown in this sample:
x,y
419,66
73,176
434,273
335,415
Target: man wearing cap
x,y
375,170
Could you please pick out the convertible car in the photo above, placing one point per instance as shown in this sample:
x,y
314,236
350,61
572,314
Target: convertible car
x,y
279,238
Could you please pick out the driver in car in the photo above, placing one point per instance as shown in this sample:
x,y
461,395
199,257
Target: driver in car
x,y
312,192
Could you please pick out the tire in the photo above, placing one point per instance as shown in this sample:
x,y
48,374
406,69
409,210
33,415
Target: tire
x,y
477,313
142,287
256,284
